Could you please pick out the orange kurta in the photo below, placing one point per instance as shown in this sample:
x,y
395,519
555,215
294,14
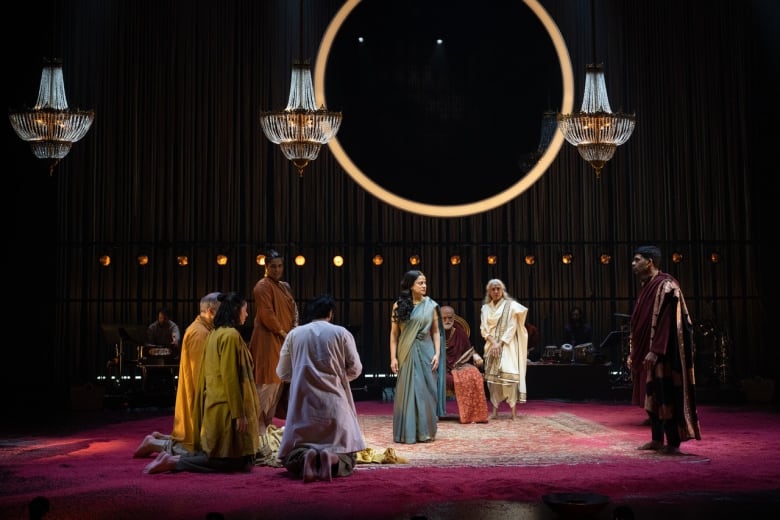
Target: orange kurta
x,y
275,311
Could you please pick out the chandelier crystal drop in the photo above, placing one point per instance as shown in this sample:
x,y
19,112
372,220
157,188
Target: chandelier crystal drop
x,y
50,126
595,130
301,128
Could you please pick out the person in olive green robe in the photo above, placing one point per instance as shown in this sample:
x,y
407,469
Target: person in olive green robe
x,y
226,433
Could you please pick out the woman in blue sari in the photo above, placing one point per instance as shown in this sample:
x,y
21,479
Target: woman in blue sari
x,y
416,341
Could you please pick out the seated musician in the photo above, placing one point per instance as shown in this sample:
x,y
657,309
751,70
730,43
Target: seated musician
x,y
463,377
163,332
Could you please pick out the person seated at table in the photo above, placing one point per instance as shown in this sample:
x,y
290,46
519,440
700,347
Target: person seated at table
x,y
577,330
463,376
163,331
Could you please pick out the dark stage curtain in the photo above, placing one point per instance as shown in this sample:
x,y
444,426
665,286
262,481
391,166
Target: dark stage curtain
x,y
176,164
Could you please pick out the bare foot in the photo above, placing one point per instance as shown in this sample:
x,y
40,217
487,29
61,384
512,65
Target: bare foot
x,y
310,466
164,462
514,414
146,447
327,461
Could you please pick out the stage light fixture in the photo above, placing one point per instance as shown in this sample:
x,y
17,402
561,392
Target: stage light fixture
x,y
182,260
300,260
105,260
530,259
455,260
567,258
492,259
414,259
222,259
677,257
377,260
143,259
715,257
260,260
605,259
338,260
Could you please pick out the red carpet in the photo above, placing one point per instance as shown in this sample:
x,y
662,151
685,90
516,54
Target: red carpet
x,y
553,447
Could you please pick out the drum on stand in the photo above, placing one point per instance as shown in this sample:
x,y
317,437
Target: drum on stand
x,y
567,353
552,354
156,355
584,353
159,366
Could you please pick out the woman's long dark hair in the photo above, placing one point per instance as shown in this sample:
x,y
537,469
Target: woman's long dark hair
x,y
229,311
405,305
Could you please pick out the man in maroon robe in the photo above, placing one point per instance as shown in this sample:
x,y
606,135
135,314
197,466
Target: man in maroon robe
x,y
463,377
661,355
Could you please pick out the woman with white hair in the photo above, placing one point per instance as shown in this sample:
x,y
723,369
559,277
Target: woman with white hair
x,y
502,324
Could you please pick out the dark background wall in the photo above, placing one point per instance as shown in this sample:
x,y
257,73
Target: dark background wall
x,y
176,163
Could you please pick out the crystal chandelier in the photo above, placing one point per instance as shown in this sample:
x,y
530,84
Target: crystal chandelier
x,y
595,130
301,128
50,126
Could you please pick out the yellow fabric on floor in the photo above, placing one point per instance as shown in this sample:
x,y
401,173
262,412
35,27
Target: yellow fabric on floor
x,y
371,456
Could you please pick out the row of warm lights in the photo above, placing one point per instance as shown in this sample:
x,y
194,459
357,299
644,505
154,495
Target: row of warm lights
x,y
184,260
377,260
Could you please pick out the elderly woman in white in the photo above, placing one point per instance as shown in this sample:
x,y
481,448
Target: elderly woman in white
x,y
502,324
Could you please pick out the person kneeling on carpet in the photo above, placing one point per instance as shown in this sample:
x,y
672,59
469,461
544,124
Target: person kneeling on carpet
x,y
319,359
224,418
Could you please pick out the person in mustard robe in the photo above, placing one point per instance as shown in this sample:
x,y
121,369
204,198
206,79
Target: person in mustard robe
x,y
194,341
226,436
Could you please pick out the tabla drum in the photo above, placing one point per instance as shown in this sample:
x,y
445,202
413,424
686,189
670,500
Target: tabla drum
x,y
583,353
551,353
567,351
155,354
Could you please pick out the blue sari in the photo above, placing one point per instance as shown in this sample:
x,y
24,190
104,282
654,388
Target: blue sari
x,y
420,393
